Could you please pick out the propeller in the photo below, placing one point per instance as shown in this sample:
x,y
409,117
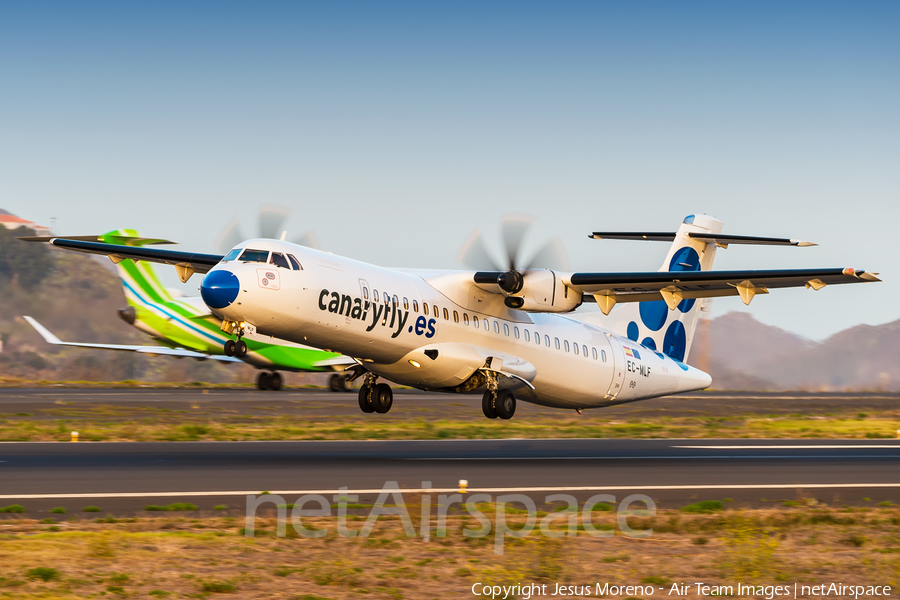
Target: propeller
x,y
271,219
513,228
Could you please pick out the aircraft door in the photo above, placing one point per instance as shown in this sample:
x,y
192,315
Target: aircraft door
x,y
617,362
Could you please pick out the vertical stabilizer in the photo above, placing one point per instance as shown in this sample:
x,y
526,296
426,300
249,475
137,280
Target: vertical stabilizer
x,y
139,280
669,325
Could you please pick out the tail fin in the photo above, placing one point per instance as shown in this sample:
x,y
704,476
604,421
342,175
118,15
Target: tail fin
x,y
138,278
653,324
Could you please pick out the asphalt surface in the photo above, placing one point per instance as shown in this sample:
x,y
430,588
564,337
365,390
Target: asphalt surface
x,y
434,405
124,477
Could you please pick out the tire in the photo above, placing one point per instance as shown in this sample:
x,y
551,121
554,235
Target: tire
x,y
275,381
229,348
506,404
382,398
364,404
240,349
488,406
263,381
335,383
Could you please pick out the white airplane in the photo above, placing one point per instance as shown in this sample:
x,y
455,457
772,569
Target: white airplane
x,y
510,332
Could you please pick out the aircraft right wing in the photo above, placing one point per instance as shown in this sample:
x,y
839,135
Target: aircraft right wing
x,y
186,263
151,350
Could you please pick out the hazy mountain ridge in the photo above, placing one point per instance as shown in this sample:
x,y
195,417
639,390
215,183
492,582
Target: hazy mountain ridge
x,y
744,351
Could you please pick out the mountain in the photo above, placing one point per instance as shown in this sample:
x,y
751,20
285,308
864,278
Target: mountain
x,y
743,353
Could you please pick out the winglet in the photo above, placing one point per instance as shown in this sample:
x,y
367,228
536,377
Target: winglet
x,y
45,333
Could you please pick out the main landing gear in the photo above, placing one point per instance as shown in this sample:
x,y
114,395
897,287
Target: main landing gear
x,y
269,381
496,402
375,397
339,383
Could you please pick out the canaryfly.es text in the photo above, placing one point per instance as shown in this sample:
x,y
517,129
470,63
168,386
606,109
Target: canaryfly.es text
x,y
525,591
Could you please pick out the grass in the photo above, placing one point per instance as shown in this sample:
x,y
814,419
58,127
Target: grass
x,y
163,556
100,422
171,507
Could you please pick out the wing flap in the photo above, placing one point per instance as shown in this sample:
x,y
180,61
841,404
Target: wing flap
x,y
199,263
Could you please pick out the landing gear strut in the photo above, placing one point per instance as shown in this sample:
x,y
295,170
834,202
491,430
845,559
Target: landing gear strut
x,y
269,381
375,397
339,383
236,348
496,402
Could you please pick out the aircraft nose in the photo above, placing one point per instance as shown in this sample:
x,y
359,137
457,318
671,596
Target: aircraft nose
x,y
219,289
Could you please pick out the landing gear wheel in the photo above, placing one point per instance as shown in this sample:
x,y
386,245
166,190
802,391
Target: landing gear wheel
x,y
489,405
263,381
506,404
365,402
240,349
382,398
229,348
275,381
338,383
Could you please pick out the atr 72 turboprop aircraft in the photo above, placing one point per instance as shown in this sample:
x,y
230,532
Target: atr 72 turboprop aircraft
x,y
510,332
185,328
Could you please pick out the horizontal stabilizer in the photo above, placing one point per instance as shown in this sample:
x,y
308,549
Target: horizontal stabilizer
x,y
719,239
50,338
199,263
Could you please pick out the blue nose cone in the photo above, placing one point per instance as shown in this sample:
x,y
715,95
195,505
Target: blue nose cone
x,y
219,289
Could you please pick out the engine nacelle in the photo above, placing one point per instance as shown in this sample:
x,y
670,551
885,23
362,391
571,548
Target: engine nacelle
x,y
543,291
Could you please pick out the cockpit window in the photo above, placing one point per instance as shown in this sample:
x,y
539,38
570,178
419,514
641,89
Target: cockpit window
x,y
251,255
279,260
232,255
294,262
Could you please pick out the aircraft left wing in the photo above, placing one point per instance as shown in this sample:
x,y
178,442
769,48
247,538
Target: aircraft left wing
x,y
153,350
607,289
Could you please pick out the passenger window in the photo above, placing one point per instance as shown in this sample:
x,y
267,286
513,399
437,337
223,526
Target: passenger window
x,y
437,313
259,256
474,321
415,306
446,315
594,353
232,255
506,330
603,355
425,308
584,349
405,303
279,260
366,293
466,319
575,348
527,336
496,327
566,344
516,332
486,324
547,340
556,339
294,262
455,317
375,295
396,301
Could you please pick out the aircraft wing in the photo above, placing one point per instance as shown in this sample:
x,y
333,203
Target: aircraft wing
x,y
674,286
152,350
337,361
197,263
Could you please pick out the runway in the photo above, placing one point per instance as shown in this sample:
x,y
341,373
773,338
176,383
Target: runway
x,y
124,477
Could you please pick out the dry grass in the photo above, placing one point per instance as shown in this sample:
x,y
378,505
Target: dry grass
x,y
177,558
99,422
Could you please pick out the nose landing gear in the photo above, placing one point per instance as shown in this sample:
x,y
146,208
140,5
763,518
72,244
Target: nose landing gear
x,y
238,347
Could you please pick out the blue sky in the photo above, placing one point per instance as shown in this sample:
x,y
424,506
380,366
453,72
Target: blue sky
x,y
394,129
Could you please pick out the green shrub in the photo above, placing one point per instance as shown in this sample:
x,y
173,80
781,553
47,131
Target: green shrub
x,y
704,506
218,587
159,593
59,510
91,509
656,580
43,573
116,589
220,507
12,508
120,578
173,506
